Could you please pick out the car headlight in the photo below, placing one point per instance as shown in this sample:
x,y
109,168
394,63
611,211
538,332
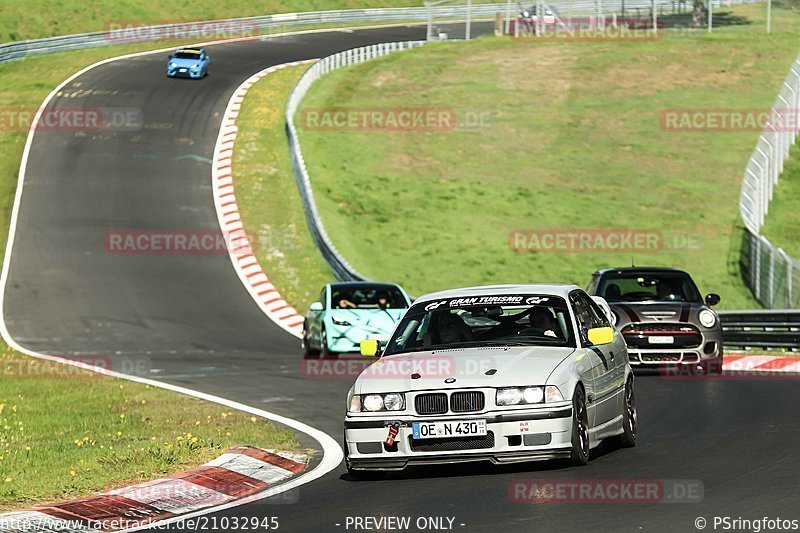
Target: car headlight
x,y
707,318
173,65
339,321
196,65
393,402
377,402
528,395
373,402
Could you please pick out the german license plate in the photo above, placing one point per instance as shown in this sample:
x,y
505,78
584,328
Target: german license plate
x,y
661,339
450,428
181,70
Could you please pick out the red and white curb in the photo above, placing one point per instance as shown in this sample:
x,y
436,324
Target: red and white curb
x,y
767,364
240,250
237,474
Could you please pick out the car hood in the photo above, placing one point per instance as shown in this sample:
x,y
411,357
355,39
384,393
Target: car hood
x,y
514,366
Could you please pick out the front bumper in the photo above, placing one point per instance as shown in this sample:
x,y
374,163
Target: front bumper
x,y
709,349
184,73
518,435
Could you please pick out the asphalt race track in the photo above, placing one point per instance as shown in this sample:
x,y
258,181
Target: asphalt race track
x,y
186,319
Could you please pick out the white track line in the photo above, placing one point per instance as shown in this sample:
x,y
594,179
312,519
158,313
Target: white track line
x,y
332,452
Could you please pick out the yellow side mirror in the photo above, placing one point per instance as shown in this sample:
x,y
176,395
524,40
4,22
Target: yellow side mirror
x,y
369,348
600,336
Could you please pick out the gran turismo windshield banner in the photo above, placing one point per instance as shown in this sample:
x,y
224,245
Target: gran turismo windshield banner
x,y
501,300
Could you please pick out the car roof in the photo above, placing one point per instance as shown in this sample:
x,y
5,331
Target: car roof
x,y
500,290
622,270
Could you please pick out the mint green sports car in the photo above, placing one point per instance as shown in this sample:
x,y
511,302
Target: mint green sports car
x,y
347,313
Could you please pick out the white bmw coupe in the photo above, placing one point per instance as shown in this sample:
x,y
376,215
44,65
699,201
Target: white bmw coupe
x,y
504,373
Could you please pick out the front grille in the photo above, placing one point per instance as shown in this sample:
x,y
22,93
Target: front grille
x,y
660,329
684,335
466,401
431,404
453,444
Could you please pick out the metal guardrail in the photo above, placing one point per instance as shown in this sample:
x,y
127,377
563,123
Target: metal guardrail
x,y
341,268
772,275
282,21
761,329
253,25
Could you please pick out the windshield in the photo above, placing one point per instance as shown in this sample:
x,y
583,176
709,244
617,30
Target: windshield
x,y
186,55
648,286
507,320
363,296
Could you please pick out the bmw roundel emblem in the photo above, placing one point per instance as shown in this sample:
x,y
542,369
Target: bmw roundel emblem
x,y
450,380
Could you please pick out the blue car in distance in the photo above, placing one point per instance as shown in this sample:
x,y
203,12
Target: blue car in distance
x,y
188,63
347,313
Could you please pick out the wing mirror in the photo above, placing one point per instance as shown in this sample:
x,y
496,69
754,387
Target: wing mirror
x,y
600,336
370,348
316,306
712,299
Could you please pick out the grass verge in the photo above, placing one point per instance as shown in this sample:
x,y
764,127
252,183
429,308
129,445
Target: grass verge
x,y
570,138
67,433
33,19
267,194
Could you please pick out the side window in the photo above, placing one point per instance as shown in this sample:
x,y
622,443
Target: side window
x,y
322,299
588,314
600,316
582,317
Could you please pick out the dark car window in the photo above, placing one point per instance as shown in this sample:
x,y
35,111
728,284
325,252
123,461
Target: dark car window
x,y
323,298
585,315
648,286
186,55
503,320
363,296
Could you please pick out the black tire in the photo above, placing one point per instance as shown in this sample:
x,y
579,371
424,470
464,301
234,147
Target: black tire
x,y
324,351
630,418
579,455
308,351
